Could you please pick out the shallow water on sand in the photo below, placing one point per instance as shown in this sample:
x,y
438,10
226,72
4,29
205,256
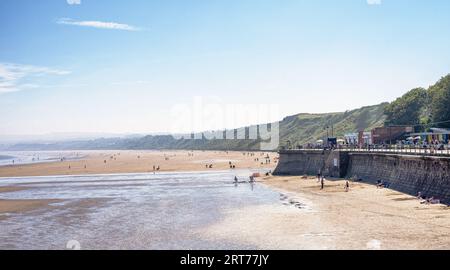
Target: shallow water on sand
x,y
129,211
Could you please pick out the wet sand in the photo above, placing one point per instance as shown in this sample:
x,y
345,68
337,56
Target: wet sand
x,y
112,162
18,206
21,206
363,218
127,162
11,189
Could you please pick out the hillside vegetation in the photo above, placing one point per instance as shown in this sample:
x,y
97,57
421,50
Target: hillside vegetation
x,y
298,129
423,108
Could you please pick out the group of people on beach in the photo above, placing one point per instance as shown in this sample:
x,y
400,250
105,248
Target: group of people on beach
x,y
252,178
426,200
321,180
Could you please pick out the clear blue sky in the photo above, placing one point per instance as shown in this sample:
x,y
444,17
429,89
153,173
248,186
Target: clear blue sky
x,y
120,66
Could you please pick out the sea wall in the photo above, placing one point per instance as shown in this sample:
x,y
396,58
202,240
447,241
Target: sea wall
x,y
405,173
310,162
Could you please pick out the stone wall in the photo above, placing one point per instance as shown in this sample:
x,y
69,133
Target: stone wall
x,y
309,162
405,173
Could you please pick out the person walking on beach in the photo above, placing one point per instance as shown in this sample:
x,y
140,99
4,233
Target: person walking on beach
x,y
347,186
322,182
252,179
319,174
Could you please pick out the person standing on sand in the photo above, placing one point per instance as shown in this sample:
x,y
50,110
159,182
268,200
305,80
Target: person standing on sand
x,y
322,183
347,186
319,174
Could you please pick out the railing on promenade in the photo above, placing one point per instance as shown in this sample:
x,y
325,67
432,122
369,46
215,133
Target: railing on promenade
x,y
418,150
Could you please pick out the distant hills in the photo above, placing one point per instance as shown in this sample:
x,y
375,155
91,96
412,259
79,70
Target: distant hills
x,y
423,108
306,128
299,129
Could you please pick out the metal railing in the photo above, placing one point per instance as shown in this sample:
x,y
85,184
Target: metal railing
x,y
418,150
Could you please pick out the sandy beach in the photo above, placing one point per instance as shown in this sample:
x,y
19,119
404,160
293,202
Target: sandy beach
x,y
363,218
306,217
111,162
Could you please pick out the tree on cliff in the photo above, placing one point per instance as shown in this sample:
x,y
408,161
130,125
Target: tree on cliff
x,y
407,110
440,102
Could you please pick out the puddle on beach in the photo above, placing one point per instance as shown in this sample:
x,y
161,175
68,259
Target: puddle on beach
x,y
131,211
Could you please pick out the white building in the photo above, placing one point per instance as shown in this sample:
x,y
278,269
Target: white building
x,y
351,138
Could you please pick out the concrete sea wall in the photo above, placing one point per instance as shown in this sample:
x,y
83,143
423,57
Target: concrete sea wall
x,y
310,162
405,173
